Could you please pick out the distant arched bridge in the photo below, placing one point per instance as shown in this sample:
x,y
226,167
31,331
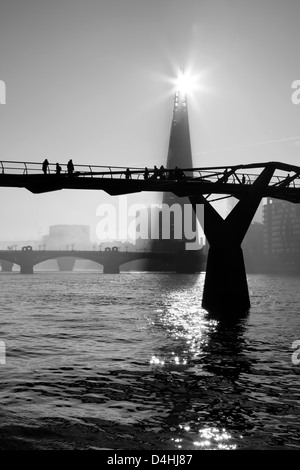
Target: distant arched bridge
x,y
111,260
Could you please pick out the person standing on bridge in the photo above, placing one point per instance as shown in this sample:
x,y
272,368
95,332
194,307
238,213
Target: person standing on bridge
x,y
146,174
155,173
58,168
128,174
161,173
179,175
70,167
45,166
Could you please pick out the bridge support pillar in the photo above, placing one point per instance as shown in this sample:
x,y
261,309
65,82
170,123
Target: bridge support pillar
x,y
111,267
26,268
225,288
26,260
6,266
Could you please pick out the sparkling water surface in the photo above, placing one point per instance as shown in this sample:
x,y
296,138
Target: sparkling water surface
x,y
132,361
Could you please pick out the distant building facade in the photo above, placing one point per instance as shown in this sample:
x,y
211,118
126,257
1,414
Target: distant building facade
x,y
68,237
281,221
253,249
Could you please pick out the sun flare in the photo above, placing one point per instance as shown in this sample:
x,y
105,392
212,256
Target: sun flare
x,y
186,83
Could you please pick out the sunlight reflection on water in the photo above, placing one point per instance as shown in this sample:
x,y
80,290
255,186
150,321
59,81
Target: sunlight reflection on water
x,y
209,438
187,323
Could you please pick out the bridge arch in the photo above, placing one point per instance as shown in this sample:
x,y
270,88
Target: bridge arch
x,y
74,255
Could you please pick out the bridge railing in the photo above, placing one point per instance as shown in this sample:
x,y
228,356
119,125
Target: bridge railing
x,y
240,177
31,168
286,177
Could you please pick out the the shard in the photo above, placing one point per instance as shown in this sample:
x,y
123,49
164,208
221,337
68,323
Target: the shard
x,y
180,156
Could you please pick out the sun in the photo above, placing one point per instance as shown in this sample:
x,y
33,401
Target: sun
x,y
186,83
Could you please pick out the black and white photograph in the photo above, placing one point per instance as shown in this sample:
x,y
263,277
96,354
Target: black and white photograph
x,y
150,228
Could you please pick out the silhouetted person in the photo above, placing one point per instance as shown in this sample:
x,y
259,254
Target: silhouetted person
x,y
179,175
162,173
58,168
225,175
127,174
146,174
70,167
156,172
243,179
45,166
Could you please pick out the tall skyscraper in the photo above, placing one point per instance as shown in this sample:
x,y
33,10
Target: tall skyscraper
x,y
180,153
180,156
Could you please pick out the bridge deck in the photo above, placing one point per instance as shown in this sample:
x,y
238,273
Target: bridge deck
x,y
230,180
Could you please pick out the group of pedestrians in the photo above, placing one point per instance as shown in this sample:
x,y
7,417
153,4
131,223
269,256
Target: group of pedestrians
x,y
159,173
155,174
162,174
70,167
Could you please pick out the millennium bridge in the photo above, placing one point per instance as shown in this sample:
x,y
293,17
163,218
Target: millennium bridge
x,y
282,179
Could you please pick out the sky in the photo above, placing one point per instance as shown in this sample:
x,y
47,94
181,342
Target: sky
x,y
94,81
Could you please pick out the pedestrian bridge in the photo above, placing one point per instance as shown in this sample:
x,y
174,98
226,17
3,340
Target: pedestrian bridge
x,y
236,180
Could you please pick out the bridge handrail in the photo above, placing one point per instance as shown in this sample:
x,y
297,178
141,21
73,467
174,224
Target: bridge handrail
x,y
212,174
30,166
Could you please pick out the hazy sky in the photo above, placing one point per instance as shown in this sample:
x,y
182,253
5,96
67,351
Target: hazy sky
x,y
91,80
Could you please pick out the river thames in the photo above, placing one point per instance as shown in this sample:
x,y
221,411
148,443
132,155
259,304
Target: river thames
x,y
132,361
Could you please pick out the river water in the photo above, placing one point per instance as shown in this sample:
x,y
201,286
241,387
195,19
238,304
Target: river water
x,y
132,361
